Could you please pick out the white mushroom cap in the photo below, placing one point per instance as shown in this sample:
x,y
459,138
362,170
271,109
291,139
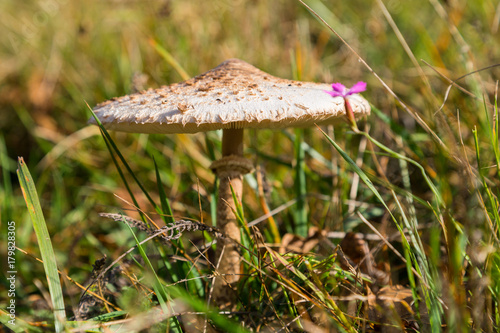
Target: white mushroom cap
x,y
233,95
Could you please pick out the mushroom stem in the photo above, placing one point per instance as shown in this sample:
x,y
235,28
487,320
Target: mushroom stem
x,y
232,142
230,170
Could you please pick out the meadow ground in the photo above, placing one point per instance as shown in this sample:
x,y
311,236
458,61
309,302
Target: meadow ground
x,y
422,172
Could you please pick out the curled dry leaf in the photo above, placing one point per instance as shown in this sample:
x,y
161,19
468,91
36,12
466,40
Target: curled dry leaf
x,y
394,309
354,253
301,245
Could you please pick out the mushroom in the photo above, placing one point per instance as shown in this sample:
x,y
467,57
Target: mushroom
x,y
233,96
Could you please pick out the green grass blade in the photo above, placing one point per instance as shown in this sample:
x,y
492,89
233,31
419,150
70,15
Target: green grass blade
x,y
42,234
122,176
246,239
167,215
341,317
109,316
492,200
300,174
19,326
221,321
300,186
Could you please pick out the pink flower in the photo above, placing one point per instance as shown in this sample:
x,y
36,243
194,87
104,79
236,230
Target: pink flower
x,y
339,90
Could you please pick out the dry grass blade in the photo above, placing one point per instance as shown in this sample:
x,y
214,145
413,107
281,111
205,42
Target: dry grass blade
x,y
453,83
405,45
272,213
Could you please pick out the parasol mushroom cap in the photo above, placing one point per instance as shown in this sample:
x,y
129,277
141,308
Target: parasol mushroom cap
x,y
233,95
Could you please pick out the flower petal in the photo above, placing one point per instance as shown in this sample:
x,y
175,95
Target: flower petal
x,y
357,88
333,93
340,88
